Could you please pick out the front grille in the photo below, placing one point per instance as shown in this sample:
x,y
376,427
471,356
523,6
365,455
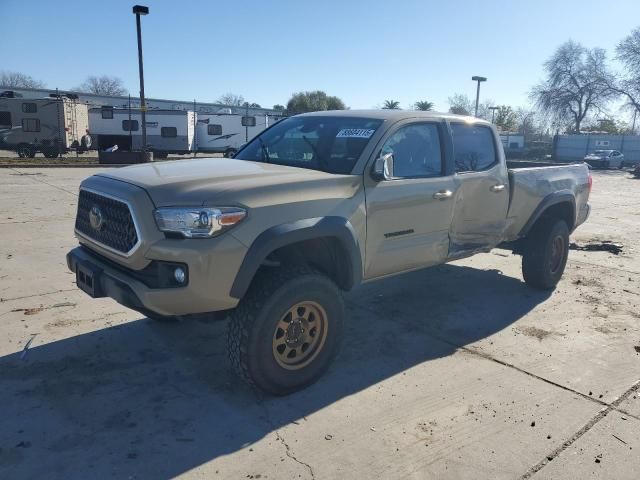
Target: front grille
x,y
116,230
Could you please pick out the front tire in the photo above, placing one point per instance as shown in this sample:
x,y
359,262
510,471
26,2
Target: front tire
x,y
286,331
545,253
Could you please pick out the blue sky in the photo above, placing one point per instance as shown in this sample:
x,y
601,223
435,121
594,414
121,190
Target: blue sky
x,y
363,52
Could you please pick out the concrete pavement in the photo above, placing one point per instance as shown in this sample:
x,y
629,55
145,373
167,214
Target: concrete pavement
x,y
459,371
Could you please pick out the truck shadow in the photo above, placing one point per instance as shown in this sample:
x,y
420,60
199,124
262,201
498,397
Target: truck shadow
x,y
156,400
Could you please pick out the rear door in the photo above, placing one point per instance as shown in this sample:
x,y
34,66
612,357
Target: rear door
x,y
408,216
481,178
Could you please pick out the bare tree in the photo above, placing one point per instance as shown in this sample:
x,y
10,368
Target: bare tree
x,y
578,84
461,104
19,80
391,105
104,85
423,105
231,99
628,53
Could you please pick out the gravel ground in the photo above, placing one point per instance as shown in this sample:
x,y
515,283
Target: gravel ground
x,y
458,371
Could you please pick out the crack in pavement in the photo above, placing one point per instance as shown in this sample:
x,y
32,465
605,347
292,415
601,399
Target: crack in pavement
x,y
2,300
546,380
57,219
605,267
486,356
567,443
267,417
43,182
292,456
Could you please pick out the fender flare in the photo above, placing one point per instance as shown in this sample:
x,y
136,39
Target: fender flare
x,y
563,196
289,233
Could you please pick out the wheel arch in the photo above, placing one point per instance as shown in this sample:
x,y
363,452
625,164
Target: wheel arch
x,y
561,205
328,243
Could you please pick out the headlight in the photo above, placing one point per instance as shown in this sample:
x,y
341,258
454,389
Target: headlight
x,y
198,222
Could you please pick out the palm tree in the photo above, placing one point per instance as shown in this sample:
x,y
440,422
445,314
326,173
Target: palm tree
x,y
423,105
391,105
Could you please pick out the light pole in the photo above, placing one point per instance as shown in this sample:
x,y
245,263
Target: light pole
x,y
141,10
478,79
493,113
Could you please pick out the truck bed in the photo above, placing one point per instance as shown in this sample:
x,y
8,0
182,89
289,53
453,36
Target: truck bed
x,y
530,183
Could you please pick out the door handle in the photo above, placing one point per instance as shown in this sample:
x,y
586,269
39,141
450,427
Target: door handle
x,y
443,194
497,188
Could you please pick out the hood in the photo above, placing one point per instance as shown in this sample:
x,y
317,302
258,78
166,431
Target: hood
x,y
228,182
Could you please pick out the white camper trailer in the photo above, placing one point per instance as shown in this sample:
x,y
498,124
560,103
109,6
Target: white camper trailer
x,y
51,125
226,133
168,131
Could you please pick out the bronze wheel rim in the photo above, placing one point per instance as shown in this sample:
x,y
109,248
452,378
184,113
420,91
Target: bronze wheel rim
x,y
557,254
300,335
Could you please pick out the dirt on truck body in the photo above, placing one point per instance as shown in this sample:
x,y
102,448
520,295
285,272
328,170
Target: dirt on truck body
x,y
313,206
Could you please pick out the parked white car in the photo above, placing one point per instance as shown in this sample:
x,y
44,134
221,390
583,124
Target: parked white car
x,y
605,159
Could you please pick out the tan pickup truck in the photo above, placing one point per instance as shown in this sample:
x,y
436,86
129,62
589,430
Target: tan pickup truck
x,y
313,206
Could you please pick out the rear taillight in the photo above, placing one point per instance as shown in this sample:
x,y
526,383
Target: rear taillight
x,y
590,182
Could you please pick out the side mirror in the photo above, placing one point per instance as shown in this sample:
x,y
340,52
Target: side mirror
x,y
383,167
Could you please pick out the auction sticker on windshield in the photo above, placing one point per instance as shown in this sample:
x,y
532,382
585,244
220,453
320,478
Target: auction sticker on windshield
x,y
355,133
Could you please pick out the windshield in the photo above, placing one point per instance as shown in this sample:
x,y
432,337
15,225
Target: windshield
x,y
330,144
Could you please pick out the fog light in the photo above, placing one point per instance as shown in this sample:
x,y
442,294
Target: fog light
x,y
179,275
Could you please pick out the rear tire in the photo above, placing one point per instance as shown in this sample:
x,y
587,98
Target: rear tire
x,y
286,331
545,253
230,152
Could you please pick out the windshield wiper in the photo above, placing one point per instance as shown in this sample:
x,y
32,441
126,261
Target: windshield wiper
x,y
265,153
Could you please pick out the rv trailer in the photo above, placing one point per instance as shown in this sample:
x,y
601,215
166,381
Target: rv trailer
x,y
168,131
226,133
51,125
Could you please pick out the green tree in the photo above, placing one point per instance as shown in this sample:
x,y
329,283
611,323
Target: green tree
x,y
611,126
423,105
391,105
314,101
506,118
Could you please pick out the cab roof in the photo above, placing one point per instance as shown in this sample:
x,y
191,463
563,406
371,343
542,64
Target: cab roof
x,y
394,115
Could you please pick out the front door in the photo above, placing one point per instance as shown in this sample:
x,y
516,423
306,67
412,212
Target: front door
x,y
480,214
408,215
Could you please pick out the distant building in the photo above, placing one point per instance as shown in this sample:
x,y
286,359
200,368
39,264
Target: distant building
x,y
573,147
512,141
93,100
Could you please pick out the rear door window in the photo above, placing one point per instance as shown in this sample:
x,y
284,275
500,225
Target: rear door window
x,y
473,147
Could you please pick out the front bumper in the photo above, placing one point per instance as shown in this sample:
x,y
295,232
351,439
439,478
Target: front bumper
x,y
100,277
